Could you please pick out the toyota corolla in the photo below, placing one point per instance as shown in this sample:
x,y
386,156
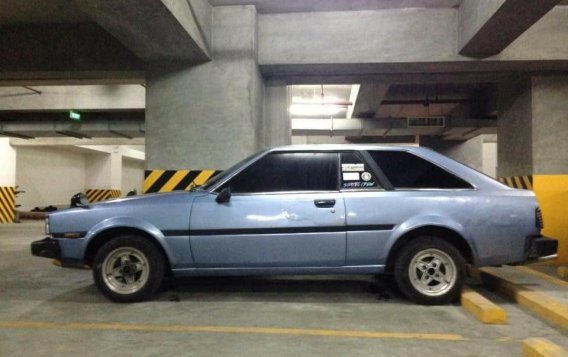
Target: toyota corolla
x,y
343,209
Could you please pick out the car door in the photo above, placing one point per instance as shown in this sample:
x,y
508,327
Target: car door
x,y
285,210
369,221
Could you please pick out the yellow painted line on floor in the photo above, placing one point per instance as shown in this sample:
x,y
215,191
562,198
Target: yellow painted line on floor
x,y
41,325
541,347
546,307
543,276
482,309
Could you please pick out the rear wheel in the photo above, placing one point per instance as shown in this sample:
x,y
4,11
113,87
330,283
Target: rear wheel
x,y
128,269
430,271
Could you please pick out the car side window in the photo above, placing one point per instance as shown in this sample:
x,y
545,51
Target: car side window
x,y
289,171
408,171
355,174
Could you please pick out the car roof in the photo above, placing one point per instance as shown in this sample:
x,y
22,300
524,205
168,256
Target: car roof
x,y
474,177
336,147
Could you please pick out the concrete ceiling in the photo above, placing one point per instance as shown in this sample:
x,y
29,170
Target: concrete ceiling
x,y
284,6
280,6
406,100
395,103
18,12
14,12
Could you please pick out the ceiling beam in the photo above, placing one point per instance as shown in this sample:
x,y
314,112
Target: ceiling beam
x,y
455,129
487,27
155,30
36,51
101,128
369,99
83,97
66,141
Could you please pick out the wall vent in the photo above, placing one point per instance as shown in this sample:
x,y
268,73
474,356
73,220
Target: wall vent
x,y
429,122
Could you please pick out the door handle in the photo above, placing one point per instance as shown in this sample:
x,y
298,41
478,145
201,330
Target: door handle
x,y
324,203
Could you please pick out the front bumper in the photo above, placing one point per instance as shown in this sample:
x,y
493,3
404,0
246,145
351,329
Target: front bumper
x,y
541,247
47,248
50,248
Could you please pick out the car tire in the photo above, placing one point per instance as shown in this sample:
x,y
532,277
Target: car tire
x,y
430,271
128,269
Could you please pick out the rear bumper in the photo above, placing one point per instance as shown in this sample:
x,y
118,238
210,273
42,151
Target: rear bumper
x,y
47,248
539,247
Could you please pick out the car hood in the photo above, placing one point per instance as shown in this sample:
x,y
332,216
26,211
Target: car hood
x,y
163,209
150,198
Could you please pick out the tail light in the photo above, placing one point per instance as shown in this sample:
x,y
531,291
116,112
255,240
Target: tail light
x,y
539,221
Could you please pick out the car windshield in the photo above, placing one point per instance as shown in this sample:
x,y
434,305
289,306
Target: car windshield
x,y
226,173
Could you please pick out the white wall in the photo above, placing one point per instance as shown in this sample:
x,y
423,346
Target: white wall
x,y
7,163
49,175
490,159
318,139
97,168
132,175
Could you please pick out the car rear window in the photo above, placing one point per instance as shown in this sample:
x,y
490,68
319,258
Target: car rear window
x,y
408,171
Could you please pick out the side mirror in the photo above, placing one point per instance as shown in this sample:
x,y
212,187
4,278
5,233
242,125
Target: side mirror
x,y
79,200
224,195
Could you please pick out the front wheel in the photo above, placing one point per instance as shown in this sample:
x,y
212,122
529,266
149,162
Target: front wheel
x,y
430,271
128,269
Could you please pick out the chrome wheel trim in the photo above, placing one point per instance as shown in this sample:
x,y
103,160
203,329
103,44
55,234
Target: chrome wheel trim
x,y
432,272
125,270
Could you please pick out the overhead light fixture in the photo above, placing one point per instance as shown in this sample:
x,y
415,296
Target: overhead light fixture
x,y
315,109
321,105
315,106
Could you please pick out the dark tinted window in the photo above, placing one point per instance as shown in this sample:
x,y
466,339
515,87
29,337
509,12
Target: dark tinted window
x,y
355,174
405,170
288,172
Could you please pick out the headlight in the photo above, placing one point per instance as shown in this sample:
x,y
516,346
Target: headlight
x,y
47,225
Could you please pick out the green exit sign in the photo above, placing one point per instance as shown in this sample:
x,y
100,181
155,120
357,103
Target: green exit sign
x,y
74,115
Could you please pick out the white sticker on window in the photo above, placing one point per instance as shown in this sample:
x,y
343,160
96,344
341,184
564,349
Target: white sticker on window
x,y
350,176
365,176
352,167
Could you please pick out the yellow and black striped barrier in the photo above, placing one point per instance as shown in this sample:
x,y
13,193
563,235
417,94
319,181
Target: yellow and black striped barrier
x,y
7,204
521,182
98,195
175,180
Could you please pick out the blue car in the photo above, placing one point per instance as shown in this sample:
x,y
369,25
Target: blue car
x,y
333,209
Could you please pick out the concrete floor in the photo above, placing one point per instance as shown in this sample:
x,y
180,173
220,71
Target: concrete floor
x,y
46,310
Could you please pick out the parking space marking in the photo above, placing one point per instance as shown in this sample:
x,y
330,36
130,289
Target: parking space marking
x,y
542,275
546,307
541,347
43,325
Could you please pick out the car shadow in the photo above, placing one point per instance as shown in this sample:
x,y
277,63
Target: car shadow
x,y
308,289
338,289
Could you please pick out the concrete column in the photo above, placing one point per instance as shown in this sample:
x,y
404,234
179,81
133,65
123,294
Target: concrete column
x,y
514,128
7,181
277,126
208,116
103,174
8,163
533,146
469,152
